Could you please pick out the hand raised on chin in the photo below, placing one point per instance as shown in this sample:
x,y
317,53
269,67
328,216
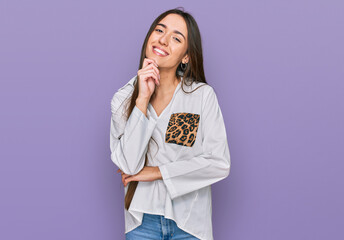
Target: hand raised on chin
x,y
148,77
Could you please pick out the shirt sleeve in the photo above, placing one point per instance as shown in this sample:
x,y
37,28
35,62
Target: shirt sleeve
x,y
212,165
129,138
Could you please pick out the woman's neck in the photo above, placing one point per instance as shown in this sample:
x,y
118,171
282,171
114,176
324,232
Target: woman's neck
x,y
168,83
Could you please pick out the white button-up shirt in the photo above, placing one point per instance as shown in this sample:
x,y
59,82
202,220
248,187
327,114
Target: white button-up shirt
x,y
191,152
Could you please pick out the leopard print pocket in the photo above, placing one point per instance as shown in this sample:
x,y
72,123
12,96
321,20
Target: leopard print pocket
x,y
182,129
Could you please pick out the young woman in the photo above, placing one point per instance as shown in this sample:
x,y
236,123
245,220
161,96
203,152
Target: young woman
x,y
168,136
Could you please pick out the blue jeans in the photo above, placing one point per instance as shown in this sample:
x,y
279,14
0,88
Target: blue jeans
x,y
157,227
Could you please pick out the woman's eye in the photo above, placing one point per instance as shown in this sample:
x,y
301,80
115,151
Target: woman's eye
x,y
159,30
177,39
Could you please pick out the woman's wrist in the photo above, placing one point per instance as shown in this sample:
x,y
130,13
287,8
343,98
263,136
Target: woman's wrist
x,y
142,100
142,104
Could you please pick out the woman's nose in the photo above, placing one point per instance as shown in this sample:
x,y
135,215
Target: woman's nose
x,y
163,40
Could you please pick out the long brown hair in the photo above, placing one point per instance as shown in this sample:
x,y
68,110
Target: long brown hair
x,y
194,71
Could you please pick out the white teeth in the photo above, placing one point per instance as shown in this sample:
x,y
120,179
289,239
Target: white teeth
x,y
160,51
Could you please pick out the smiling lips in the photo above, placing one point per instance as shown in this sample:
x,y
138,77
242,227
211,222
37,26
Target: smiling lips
x,y
159,51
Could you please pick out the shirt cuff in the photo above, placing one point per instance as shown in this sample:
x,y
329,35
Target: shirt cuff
x,y
140,114
168,182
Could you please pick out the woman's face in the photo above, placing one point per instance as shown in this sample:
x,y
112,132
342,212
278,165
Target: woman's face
x,y
170,36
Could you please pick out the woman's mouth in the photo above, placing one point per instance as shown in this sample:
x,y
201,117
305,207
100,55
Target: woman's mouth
x,y
159,52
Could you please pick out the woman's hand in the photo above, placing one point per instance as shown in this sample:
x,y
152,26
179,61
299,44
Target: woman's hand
x,y
147,174
148,77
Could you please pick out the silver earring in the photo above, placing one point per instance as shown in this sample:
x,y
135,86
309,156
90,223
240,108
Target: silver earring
x,y
183,66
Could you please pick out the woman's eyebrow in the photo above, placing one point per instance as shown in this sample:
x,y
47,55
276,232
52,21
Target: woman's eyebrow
x,y
175,31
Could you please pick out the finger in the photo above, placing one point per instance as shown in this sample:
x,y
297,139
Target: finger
x,y
147,61
123,180
150,73
125,176
154,62
142,74
154,76
145,70
128,180
152,66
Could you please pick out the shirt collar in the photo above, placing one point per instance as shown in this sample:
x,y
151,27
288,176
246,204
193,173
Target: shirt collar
x,y
132,80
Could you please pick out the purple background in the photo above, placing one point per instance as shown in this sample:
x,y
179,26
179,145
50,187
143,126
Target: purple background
x,y
277,68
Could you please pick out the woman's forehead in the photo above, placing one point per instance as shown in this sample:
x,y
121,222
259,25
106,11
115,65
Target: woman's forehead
x,y
174,22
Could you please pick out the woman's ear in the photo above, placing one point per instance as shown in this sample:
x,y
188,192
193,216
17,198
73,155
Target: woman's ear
x,y
185,59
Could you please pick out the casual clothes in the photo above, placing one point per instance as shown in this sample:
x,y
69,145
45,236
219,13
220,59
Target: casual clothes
x,y
191,152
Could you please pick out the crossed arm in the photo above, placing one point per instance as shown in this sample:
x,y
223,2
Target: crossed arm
x,y
148,173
